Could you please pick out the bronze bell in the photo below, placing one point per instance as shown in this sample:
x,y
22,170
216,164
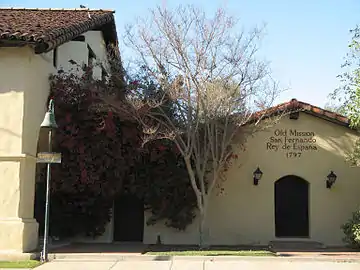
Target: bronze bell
x,y
49,119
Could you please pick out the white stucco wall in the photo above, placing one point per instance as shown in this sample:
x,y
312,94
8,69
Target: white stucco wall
x,y
78,52
96,42
40,67
244,214
13,65
73,50
24,89
170,235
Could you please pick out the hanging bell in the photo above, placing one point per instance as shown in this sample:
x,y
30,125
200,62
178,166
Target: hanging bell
x,y
49,119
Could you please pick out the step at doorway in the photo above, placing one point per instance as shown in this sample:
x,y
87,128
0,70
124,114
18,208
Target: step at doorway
x,y
296,245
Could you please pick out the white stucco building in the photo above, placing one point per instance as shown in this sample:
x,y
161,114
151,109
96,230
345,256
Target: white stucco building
x,y
35,43
291,201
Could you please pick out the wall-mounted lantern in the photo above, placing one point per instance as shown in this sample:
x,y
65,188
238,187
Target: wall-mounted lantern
x,y
257,176
331,178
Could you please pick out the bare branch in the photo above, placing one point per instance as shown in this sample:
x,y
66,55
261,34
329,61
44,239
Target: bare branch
x,y
212,82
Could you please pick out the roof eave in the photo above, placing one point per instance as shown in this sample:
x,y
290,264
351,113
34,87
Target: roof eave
x,y
288,108
15,43
105,23
324,117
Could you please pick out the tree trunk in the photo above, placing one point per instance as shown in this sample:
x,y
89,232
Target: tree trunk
x,y
202,220
201,230
202,201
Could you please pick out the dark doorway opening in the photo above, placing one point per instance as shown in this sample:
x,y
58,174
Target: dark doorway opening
x,y
128,219
291,207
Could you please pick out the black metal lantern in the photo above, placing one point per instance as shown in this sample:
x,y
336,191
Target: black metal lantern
x,y
331,178
257,176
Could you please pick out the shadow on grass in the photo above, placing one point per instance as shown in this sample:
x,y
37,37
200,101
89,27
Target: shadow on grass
x,y
162,258
329,251
170,250
125,248
165,252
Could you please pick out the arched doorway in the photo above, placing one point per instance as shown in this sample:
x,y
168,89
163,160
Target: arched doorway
x,y
291,207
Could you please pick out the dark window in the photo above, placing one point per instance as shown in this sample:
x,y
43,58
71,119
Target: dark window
x,y
91,60
55,57
91,57
79,38
104,74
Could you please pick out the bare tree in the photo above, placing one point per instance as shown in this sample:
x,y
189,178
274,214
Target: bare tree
x,y
207,73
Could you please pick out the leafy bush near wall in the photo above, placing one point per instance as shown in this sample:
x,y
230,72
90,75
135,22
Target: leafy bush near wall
x,y
102,157
351,230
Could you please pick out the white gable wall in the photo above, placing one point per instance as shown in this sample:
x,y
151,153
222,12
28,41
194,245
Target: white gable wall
x,y
245,213
96,42
78,52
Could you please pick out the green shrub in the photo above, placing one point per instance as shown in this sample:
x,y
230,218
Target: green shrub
x,y
351,230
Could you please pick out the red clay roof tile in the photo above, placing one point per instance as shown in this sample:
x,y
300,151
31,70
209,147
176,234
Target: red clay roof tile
x,y
46,29
295,105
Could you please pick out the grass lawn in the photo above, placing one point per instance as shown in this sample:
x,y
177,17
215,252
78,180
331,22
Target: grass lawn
x,y
213,253
19,264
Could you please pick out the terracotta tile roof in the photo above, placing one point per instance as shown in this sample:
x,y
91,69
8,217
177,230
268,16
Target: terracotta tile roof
x,y
45,29
299,106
